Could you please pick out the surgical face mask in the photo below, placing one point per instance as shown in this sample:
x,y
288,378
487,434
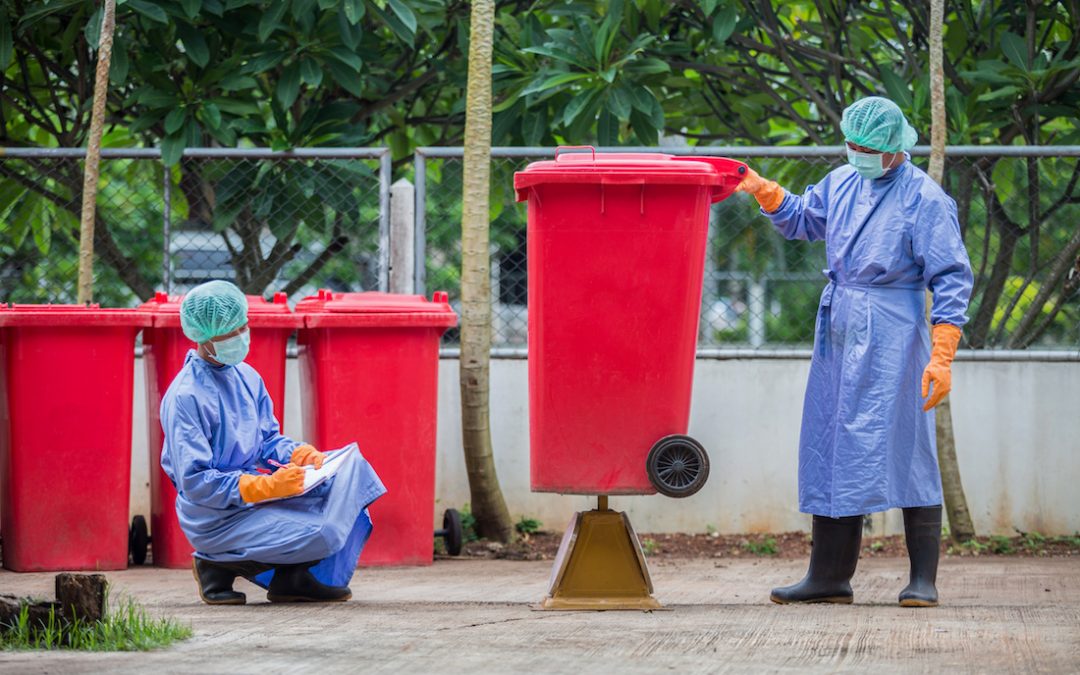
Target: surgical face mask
x,y
233,350
868,165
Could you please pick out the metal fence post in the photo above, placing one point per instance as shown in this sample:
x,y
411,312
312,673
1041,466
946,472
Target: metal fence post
x,y
420,247
166,235
756,301
402,237
385,168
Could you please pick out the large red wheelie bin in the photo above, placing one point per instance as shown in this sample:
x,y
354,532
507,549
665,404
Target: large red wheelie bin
x,y
164,349
369,368
616,257
66,391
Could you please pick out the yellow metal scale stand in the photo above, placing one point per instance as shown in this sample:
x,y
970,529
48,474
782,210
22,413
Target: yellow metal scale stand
x,y
600,565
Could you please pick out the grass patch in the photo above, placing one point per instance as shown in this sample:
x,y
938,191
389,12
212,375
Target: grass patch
x,y
766,546
649,546
528,525
127,629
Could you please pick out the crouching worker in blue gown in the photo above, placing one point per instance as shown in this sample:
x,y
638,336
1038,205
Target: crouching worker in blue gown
x,y
222,446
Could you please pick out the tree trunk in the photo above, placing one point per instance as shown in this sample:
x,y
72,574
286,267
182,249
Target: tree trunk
x,y
93,155
960,525
488,505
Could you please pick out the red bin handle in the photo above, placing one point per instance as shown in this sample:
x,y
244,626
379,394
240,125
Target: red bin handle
x,y
575,147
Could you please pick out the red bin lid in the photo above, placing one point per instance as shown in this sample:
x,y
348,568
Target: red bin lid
x,y
374,309
632,168
262,313
77,316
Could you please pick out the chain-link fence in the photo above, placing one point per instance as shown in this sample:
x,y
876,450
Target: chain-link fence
x,y
320,218
291,222
1019,209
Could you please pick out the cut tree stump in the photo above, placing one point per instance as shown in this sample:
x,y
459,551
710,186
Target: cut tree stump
x,y
77,595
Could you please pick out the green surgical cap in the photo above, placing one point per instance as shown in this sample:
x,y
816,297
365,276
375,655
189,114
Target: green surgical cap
x,y
212,309
876,122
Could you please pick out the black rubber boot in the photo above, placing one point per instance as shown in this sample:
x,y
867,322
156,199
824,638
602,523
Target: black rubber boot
x,y
216,579
922,530
296,583
833,556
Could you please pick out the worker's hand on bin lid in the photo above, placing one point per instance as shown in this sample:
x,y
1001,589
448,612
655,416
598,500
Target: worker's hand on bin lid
x,y
768,193
306,454
285,482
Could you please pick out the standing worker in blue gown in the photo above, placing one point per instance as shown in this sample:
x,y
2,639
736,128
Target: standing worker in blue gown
x,y
868,442
222,445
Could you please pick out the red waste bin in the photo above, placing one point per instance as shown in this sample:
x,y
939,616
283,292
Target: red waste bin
x,y
65,435
616,250
369,369
164,349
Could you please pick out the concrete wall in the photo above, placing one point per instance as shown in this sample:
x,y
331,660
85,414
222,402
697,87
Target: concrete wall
x,y
1017,430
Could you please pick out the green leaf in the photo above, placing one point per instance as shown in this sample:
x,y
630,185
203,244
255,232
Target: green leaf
x,y
194,44
348,58
607,129
724,23
93,29
155,98
896,87
354,11
1014,48
264,62
649,66
404,13
234,106
172,149
552,82
211,114
1003,92
534,126
43,9
346,77
149,10
22,218
709,6
191,7
647,134
118,67
397,26
42,227
174,121
310,71
350,34
619,103
288,87
578,103
327,4
6,45
270,18
641,98
235,81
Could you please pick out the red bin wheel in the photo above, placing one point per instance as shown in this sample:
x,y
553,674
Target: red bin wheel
x,y
677,466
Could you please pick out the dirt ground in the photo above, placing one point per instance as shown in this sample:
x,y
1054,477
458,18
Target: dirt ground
x,y
469,615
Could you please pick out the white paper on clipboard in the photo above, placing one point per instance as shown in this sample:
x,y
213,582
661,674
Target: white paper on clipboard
x,y
313,477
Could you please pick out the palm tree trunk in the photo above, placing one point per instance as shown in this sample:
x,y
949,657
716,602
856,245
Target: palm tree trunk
x,y
960,525
93,154
488,505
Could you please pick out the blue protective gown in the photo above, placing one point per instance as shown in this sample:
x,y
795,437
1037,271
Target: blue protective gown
x,y
866,444
219,424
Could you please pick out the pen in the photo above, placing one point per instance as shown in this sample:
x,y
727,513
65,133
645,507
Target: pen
x,y
279,465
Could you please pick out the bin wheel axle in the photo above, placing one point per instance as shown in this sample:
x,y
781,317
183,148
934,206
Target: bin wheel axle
x,y
678,466
138,540
451,532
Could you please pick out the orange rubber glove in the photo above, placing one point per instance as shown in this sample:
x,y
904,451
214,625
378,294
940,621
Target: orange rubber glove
x,y
284,482
768,193
946,339
307,454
